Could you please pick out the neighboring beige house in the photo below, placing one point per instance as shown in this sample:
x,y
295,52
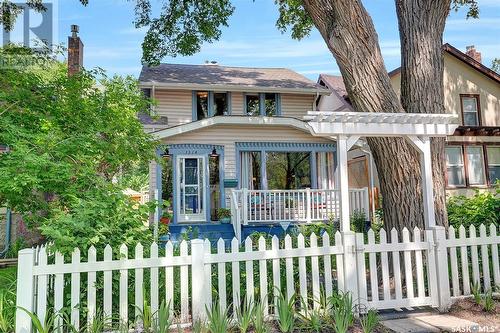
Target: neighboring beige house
x,y
472,91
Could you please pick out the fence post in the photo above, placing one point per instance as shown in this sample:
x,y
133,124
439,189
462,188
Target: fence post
x,y
350,269
199,286
441,255
25,289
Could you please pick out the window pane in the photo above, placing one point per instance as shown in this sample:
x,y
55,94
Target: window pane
x,y
454,156
470,119
220,104
456,176
469,106
493,154
252,103
475,165
270,101
494,171
202,104
288,171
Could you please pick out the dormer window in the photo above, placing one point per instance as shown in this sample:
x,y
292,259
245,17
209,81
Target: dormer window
x,y
208,104
470,110
262,104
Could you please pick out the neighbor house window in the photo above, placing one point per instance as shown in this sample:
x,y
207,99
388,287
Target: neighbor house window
x,y
475,165
470,110
252,105
455,166
208,104
262,104
493,155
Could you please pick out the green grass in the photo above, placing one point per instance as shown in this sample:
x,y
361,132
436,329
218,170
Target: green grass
x,y
8,278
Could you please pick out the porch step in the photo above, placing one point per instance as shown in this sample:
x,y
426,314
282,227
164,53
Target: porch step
x,y
270,229
210,231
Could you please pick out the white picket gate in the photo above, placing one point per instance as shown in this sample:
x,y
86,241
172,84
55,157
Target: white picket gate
x,y
406,271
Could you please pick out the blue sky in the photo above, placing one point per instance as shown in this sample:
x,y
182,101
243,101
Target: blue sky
x,y
112,43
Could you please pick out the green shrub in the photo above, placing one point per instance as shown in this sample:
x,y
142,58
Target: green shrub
x,y
481,208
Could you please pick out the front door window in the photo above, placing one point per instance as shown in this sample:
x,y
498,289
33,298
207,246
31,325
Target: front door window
x,y
191,188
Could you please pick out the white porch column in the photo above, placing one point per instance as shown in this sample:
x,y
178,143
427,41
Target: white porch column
x,y
344,143
343,182
423,144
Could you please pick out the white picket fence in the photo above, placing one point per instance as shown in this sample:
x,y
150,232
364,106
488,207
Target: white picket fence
x,y
408,270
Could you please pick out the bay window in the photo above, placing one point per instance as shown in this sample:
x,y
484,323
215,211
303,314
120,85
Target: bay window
x,y
493,155
455,166
475,165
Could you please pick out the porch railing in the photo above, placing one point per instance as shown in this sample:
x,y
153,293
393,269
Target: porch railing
x,y
305,206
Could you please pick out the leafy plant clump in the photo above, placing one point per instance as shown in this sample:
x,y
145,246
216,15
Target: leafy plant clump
x,y
218,320
245,315
285,312
481,208
369,321
342,312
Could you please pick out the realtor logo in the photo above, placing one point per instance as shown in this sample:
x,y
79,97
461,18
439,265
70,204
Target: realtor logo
x,y
34,29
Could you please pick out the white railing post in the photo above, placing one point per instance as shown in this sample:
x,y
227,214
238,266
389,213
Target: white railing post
x,y
198,283
25,290
308,205
366,202
244,194
441,257
350,269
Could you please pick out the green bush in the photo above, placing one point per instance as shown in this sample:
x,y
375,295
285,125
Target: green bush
x,y
481,208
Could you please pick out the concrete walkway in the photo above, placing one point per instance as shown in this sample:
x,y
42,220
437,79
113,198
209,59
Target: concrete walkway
x,y
428,322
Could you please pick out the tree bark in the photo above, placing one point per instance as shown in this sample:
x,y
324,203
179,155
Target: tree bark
x,y
350,35
421,27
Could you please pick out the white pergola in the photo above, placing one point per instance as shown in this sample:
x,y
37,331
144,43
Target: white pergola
x,y
348,127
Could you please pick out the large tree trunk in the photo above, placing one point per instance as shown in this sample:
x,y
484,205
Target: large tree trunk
x,y
421,27
349,32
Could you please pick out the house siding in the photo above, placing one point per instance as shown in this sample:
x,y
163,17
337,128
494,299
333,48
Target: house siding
x,y
459,78
176,105
228,135
295,105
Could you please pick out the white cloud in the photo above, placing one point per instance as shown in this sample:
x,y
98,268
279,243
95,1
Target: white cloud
x,y
467,24
133,31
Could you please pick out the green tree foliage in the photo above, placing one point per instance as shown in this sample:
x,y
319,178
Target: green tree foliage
x,y
183,26
69,138
495,65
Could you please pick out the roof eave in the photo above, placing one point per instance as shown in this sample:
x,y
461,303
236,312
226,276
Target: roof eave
x,y
224,87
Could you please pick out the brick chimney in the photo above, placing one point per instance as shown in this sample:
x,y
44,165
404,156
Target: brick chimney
x,y
75,51
471,52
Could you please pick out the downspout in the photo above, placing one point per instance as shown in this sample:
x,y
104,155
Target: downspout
x,y
372,182
8,221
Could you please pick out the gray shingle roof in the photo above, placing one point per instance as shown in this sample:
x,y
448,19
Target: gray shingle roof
x,y
177,74
335,82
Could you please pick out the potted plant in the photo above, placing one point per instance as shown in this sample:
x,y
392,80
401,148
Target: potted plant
x,y
224,215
